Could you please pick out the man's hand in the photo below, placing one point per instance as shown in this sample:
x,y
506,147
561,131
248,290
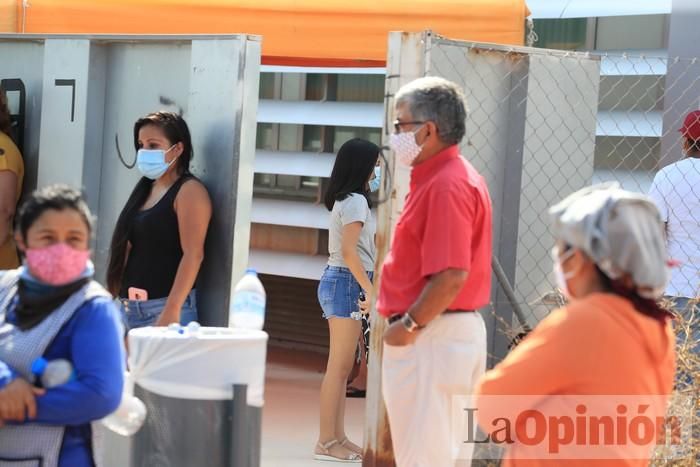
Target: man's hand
x,y
18,401
397,335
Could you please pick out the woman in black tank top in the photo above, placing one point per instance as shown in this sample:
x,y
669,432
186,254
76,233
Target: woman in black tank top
x,y
158,242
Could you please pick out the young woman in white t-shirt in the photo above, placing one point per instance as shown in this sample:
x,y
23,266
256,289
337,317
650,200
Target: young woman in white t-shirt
x,y
349,271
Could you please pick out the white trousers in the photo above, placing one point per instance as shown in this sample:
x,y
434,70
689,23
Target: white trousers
x,y
420,382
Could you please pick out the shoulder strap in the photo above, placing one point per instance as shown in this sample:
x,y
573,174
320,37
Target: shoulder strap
x,y
175,189
95,290
181,181
9,278
8,289
55,322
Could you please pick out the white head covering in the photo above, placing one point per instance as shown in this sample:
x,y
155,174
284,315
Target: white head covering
x,y
620,231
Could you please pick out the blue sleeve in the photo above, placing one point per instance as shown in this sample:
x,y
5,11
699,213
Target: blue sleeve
x,y
7,374
97,354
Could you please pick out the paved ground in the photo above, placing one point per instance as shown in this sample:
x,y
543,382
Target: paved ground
x,y
290,416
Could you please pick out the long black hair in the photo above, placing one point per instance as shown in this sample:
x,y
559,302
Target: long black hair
x,y
353,165
176,131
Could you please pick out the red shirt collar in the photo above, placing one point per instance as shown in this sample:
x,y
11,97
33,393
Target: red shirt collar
x,y
426,169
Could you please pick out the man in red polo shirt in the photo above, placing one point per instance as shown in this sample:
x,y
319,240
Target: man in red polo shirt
x,y
437,274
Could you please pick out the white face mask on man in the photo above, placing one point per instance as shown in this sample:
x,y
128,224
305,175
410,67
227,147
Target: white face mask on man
x,y
560,276
405,146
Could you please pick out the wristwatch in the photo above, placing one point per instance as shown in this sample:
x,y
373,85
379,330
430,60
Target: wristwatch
x,y
409,323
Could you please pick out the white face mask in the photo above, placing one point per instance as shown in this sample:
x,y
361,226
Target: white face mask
x,y
405,146
560,277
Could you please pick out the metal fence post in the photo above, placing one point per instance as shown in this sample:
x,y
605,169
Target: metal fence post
x,y
406,61
240,446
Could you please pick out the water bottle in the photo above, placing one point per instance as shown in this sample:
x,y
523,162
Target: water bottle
x,y
129,416
248,302
190,330
52,373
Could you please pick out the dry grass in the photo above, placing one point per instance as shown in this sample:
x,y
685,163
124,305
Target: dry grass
x,y
685,401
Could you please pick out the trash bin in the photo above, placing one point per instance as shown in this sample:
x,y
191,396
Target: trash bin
x,y
203,389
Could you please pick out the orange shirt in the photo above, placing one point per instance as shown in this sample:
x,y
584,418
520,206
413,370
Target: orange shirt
x,y
11,160
599,345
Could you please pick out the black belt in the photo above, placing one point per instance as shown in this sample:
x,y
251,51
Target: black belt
x,y
394,318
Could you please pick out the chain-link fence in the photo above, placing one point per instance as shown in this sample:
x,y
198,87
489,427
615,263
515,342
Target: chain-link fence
x,y
545,123
532,134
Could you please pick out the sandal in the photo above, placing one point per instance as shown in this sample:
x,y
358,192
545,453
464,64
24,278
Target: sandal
x,y
325,454
345,442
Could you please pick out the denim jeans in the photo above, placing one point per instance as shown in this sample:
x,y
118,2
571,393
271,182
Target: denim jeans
x,y
139,314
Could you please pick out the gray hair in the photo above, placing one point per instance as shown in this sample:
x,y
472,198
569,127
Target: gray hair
x,y
437,100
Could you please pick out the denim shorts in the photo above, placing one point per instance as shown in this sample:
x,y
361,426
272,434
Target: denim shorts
x,y
139,314
339,292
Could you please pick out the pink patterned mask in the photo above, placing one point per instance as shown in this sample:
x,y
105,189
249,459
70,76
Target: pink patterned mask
x,y
405,146
58,264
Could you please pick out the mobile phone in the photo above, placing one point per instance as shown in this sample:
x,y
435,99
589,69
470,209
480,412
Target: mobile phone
x,y
138,295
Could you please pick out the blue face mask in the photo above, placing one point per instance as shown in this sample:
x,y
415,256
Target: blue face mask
x,y
375,183
151,162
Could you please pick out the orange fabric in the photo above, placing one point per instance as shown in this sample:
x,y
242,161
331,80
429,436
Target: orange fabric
x,y
599,345
313,30
8,16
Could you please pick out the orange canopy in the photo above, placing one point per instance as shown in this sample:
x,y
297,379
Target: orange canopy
x,y
294,31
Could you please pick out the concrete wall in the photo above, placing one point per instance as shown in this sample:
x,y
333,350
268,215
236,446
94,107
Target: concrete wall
x,y
84,93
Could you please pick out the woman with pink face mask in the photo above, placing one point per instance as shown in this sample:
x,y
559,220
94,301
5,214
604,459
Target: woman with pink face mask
x,y
61,352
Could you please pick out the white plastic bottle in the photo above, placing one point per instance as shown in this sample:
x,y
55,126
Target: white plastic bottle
x,y
248,302
129,416
53,373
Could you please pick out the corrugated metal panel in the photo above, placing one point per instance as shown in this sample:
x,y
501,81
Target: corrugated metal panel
x,y
293,313
365,88
294,213
565,34
323,70
310,164
358,114
645,63
633,180
287,264
284,238
630,123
